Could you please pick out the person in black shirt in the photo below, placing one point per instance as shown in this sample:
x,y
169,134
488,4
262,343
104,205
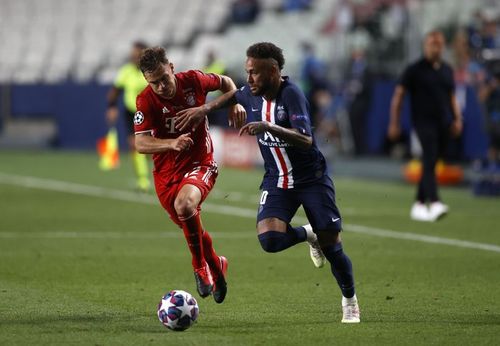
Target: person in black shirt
x,y
435,115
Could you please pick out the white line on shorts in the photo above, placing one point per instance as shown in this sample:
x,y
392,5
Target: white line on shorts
x,y
129,196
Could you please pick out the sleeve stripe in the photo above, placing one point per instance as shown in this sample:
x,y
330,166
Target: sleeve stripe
x,y
145,131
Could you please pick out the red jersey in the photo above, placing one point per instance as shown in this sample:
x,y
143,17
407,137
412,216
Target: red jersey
x,y
157,116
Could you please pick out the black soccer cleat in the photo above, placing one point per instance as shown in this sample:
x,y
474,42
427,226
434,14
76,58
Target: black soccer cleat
x,y
203,283
220,286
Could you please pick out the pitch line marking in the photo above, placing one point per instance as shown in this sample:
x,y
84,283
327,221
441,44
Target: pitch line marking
x,y
128,196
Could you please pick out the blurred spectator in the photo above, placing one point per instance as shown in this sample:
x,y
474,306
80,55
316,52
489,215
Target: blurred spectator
x,y
213,64
296,5
357,94
245,11
130,82
313,76
217,66
468,72
333,130
490,96
490,34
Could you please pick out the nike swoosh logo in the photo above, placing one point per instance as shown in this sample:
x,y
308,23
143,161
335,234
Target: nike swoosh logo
x,y
335,220
254,109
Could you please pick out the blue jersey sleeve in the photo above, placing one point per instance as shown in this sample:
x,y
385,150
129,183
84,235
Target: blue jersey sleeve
x,y
241,96
298,111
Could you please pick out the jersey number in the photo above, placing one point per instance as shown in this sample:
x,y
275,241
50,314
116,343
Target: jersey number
x,y
170,124
263,197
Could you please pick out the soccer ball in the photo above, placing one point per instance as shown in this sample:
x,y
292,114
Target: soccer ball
x,y
178,310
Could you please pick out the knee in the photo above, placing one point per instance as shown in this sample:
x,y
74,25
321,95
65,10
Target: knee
x,y
185,206
271,244
329,238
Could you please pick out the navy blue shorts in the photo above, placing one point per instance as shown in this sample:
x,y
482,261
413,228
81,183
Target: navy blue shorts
x,y
318,201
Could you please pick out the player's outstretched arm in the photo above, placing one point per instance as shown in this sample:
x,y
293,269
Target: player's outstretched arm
x,y
193,116
291,136
147,144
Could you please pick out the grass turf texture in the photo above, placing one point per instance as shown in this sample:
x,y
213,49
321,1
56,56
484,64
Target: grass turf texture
x,y
78,269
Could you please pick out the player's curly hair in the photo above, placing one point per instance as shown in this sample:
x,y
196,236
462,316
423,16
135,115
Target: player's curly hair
x,y
266,50
151,58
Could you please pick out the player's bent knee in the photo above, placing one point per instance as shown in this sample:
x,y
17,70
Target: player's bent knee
x,y
271,241
185,207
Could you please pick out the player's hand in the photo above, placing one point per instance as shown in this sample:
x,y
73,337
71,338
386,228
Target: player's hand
x,y
183,142
394,131
254,128
112,115
456,127
190,118
237,116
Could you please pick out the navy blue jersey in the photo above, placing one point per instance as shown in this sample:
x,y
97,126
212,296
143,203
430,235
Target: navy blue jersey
x,y
286,166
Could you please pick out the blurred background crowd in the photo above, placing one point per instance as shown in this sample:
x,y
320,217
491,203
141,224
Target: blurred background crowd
x,y
59,57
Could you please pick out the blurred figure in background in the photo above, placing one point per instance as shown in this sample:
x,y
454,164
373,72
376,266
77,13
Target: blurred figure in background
x,y
213,64
130,81
245,11
313,76
435,113
490,96
357,94
217,66
468,72
296,5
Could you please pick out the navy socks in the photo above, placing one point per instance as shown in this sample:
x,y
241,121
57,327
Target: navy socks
x,y
341,268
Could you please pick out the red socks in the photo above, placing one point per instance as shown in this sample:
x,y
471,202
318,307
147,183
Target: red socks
x,y
200,244
210,255
192,232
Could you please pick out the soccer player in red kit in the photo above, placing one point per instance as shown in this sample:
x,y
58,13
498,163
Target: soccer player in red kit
x,y
184,168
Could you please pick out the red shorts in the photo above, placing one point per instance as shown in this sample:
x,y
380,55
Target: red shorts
x,y
203,177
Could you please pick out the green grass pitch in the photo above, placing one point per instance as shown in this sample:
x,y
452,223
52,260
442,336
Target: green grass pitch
x,y
87,263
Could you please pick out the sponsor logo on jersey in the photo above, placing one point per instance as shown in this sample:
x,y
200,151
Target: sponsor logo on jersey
x,y
165,110
269,140
138,118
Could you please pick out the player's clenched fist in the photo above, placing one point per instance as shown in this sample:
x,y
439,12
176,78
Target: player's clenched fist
x,y
255,128
237,116
183,142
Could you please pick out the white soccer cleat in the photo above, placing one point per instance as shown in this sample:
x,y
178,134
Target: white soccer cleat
x,y
317,255
350,310
420,212
437,210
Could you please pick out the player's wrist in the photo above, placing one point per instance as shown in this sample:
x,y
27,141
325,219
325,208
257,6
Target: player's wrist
x,y
206,108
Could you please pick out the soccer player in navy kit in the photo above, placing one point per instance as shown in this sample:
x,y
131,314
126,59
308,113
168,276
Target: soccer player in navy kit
x,y
295,170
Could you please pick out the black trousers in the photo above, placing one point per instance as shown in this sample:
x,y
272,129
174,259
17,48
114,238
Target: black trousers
x,y
433,139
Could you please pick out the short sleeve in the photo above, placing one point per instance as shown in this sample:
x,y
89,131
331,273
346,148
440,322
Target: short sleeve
x,y
240,97
120,78
143,119
406,79
298,111
208,81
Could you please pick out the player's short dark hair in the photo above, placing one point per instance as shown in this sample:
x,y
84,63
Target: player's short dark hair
x,y
151,58
266,50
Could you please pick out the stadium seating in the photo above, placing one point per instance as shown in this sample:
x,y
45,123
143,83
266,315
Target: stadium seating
x,y
51,41
55,40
